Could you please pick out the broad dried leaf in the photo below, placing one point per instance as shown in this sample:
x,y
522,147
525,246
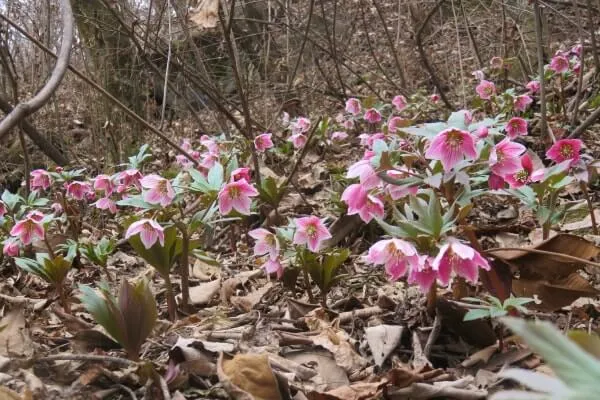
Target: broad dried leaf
x,y
203,293
383,340
557,294
248,377
206,15
247,303
343,352
7,394
14,335
548,267
582,224
478,332
356,391
329,374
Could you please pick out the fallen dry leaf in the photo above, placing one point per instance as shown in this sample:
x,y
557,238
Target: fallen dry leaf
x,y
206,15
345,356
556,294
582,224
14,335
382,340
477,332
329,374
248,377
356,391
247,303
203,293
7,394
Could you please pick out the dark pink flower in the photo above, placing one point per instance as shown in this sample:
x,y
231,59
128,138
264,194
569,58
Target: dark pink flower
x,y
104,183
11,247
565,149
130,177
298,140
3,209
372,116
461,259
516,127
423,274
78,190
394,123
40,179
159,190
559,64
149,230
348,124
263,142
339,136
241,173
106,203
310,231
365,172
399,102
505,157
495,182
486,89
396,255
266,243
27,229
56,208
353,106
236,196
482,132
522,103
434,98
533,86
525,174
577,50
397,192
451,146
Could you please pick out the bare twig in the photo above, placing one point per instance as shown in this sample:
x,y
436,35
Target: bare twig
x,y
592,26
544,252
22,110
87,357
104,92
588,200
471,36
585,124
292,77
579,93
168,66
163,387
392,47
433,335
540,59
423,55
126,390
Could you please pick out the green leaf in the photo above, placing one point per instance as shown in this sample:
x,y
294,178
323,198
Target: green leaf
x,y
269,192
138,202
11,200
104,310
215,177
331,263
477,313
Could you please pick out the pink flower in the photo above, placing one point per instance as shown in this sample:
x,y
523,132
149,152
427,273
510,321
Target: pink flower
x,y
394,123
399,102
486,89
479,75
298,140
183,161
149,230
266,243
186,145
301,125
482,132
450,146
195,155
40,179
3,209
78,190
241,173
273,266
348,124
130,177
210,144
504,157
353,106
236,196
577,68
159,190
369,139
27,229
577,50
397,256
516,127
310,231
372,116
209,160
496,62
56,208
397,192
460,258
106,203
339,136
495,182
525,174
434,98
263,142
559,64
11,247
35,215
533,86
565,149
365,172
373,208
355,197
104,183
423,274
468,117
522,103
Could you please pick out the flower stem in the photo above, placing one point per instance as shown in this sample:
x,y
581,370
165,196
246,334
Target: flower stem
x,y
171,304
431,300
184,262
307,285
588,200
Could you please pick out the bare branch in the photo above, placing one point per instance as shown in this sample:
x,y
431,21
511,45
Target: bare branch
x,y
22,110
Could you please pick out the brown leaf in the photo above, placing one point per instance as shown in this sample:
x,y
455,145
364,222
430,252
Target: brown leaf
x,y
478,332
203,293
14,336
582,224
356,391
329,374
556,294
89,339
248,377
206,14
247,303
7,394
343,352
382,340
549,267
